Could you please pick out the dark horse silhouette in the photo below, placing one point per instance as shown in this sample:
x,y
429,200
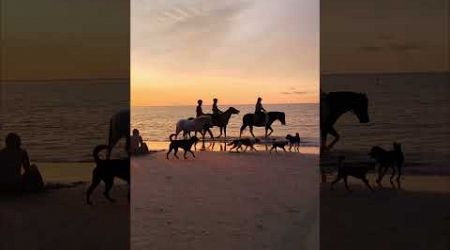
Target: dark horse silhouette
x,y
119,127
249,120
333,105
221,120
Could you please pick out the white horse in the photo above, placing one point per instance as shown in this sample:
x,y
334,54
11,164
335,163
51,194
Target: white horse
x,y
200,124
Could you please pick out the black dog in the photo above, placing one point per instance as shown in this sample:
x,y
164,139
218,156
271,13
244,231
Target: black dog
x,y
185,144
357,172
278,144
237,144
294,141
388,159
106,171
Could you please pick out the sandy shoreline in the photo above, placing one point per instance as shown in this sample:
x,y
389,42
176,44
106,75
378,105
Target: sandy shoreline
x,y
225,201
60,218
414,217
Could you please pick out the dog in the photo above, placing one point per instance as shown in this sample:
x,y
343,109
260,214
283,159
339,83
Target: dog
x,y
185,144
388,159
294,141
237,144
106,170
357,172
278,144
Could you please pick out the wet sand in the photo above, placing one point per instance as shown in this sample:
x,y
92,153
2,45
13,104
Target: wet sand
x,y
60,218
414,217
224,200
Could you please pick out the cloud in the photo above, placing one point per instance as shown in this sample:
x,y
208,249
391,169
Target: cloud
x,y
404,46
371,48
293,92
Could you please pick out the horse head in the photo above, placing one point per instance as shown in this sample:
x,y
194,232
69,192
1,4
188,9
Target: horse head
x,y
233,110
281,116
361,108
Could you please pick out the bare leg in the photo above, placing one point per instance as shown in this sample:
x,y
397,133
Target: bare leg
x,y
336,138
367,184
346,184
338,178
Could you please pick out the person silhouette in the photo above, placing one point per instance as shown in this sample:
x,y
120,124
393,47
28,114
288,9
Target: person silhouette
x,y
137,144
199,109
215,108
260,112
13,161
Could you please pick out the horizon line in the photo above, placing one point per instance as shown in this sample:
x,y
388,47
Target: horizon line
x,y
386,72
225,104
65,79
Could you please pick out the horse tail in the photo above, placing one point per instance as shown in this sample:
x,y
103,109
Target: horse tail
x,y
171,137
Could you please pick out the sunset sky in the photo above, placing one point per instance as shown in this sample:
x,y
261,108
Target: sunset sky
x,y
384,36
70,39
234,50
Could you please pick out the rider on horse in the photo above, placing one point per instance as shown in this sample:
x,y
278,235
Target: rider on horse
x,y
199,109
215,110
260,112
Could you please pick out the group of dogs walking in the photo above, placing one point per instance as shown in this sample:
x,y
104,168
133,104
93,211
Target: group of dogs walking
x,y
332,106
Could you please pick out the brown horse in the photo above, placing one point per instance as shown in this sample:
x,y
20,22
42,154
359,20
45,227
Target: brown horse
x,y
221,120
249,120
333,105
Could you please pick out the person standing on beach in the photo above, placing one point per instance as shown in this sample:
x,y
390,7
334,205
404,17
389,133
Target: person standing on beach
x,y
14,159
199,109
260,112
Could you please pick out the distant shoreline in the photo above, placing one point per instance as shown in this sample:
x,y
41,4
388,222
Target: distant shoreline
x,y
222,104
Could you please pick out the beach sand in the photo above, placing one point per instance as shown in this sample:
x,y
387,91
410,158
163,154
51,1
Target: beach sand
x,y
60,218
224,200
415,217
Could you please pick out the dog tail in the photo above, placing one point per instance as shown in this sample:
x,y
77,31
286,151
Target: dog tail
x,y
97,150
171,137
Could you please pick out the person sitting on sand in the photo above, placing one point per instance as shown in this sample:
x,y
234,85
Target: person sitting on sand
x,y
13,161
260,112
199,109
137,145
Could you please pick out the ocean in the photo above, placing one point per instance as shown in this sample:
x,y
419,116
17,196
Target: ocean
x,y
413,109
157,123
61,121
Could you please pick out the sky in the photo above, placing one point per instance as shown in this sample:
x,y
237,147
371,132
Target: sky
x,y
69,39
184,50
384,36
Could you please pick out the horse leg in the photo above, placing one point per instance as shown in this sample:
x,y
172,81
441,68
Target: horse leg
x,y
251,132
225,131
220,128
271,131
392,176
242,129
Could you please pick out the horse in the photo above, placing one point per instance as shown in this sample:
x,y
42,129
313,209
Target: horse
x,y
249,120
333,105
119,127
200,124
221,120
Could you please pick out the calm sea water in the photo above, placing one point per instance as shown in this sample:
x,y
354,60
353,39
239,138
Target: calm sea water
x,y
60,121
413,109
157,123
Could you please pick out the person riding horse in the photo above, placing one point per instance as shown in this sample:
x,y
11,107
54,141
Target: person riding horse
x,y
199,110
215,110
260,112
